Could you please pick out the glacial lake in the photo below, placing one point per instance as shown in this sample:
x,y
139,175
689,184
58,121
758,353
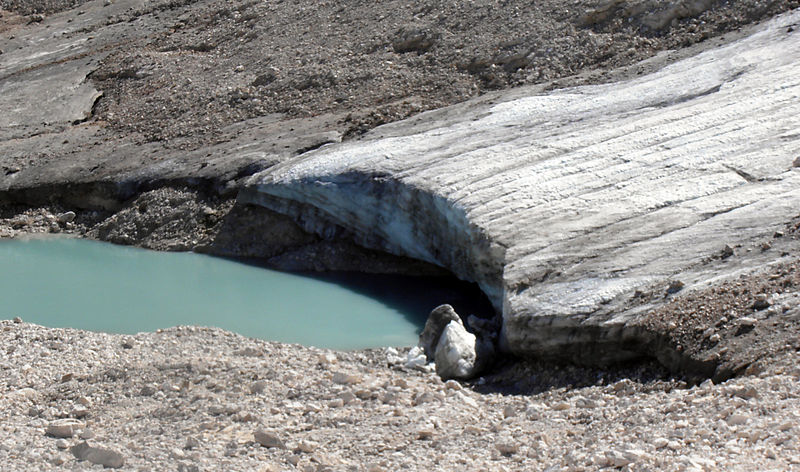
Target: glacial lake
x,y
62,282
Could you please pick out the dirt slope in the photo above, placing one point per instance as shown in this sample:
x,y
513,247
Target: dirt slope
x,y
215,63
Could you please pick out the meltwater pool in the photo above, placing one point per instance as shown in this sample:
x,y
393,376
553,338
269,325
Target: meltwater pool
x,y
60,282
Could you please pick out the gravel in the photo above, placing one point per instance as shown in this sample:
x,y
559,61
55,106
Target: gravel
x,y
192,398
214,63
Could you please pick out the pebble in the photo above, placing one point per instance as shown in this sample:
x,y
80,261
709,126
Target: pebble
x,y
66,217
328,358
191,443
307,446
98,455
347,397
660,443
736,419
336,403
507,448
561,406
762,302
79,412
64,428
342,378
258,387
268,439
674,445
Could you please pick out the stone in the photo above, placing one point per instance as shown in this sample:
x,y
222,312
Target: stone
x,y
438,319
191,443
347,397
745,324
660,443
737,419
336,403
98,455
623,457
417,360
64,428
79,411
456,355
268,439
62,444
342,378
327,358
307,447
507,448
675,286
413,41
258,387
762,302
66,217
727,251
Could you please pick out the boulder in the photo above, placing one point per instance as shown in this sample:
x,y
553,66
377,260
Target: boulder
x,y
457,353
440,317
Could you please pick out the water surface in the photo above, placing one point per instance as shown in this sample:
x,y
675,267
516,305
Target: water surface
x,y
102,287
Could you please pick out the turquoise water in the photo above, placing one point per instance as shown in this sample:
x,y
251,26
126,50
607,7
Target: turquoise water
x,y
103,287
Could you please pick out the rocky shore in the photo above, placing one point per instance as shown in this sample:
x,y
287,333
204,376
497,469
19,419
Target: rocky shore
x,y
191,398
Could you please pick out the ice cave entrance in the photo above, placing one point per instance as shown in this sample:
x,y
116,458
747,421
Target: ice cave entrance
x,y
60,282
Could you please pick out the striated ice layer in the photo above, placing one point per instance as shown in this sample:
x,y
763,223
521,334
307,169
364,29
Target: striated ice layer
x,y
562,204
